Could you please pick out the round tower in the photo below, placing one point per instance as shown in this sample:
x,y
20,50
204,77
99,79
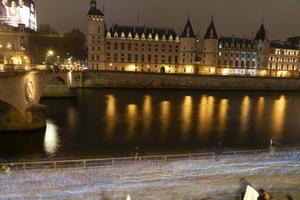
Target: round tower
x,y
96,38
187,54
210,49
262,48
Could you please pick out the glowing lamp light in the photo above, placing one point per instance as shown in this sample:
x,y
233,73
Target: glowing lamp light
x,y
189,69
50,53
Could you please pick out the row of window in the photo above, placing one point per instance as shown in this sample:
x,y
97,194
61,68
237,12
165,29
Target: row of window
x,y
150,37
238,55
116,57
136,46
237,63
286,52
282,66
236,46
278,59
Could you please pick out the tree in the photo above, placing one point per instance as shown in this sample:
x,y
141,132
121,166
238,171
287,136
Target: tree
x,y
47,29
74,44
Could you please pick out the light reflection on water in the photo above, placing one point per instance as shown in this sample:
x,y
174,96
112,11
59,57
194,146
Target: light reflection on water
x,y
244,117
206,115
187,111
278,117
260,109
113,120
111,114
131,119
147,113
51,139
223,115
165,117
213,115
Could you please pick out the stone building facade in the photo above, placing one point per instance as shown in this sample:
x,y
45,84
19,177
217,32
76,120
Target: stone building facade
x,y
163,50
13,43
283,59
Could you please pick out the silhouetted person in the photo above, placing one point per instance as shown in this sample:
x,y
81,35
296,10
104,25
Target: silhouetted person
x,y
261,195
243,186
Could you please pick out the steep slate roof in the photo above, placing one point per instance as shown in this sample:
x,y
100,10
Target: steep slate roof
x,y
279,45
261,34
188,30
211,32
235,40
94,10
294,40
142,29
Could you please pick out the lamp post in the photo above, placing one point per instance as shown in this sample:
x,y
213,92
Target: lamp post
x,y
49,53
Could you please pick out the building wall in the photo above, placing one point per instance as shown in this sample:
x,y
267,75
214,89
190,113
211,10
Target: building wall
x,y
115,51
210,51
106,79
128,54
13,43
96,42
283,61
241,58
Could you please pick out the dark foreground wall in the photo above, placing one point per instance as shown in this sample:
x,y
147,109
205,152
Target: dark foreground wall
x,y
105,79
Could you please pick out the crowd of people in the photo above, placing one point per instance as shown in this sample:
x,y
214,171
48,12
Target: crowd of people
x,y
15,12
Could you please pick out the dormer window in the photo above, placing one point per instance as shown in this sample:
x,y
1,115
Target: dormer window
x,y
156,37
143,36
130,36
171,38
177,38
122,35
136,36
108,35
150,36
116,35
164,37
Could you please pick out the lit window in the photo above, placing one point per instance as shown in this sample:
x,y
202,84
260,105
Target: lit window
x,y
9,45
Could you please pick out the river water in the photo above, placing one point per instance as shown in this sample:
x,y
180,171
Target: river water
x,y
116,122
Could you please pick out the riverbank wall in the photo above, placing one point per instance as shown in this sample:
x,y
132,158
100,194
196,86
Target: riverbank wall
x,y
113,79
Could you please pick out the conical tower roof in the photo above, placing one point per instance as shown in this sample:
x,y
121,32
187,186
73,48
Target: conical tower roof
x,y
211,32
94,10
261,34
188,30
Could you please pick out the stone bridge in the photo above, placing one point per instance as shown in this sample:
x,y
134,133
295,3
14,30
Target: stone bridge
x,y
20,95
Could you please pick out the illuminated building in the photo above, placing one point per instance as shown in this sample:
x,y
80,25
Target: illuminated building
x,y
283,59
163,50
237,56
139,48
13,42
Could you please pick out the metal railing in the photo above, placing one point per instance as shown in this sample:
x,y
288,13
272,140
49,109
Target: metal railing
x,y
86,163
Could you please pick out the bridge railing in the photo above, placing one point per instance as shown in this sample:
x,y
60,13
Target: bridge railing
x,y
86,163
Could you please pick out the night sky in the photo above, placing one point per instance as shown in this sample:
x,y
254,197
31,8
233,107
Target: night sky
x,y
232,17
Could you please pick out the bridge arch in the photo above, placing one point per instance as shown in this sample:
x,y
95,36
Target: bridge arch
x,y
20,96
11,117
55,87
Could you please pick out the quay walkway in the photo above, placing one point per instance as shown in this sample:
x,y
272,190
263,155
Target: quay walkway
x,y
87,163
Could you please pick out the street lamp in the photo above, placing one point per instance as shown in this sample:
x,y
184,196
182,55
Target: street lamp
x,y
49,53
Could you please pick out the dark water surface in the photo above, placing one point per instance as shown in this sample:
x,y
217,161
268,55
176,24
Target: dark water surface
x,y
113,122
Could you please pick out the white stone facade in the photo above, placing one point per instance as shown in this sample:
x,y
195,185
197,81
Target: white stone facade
x,y
162,50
